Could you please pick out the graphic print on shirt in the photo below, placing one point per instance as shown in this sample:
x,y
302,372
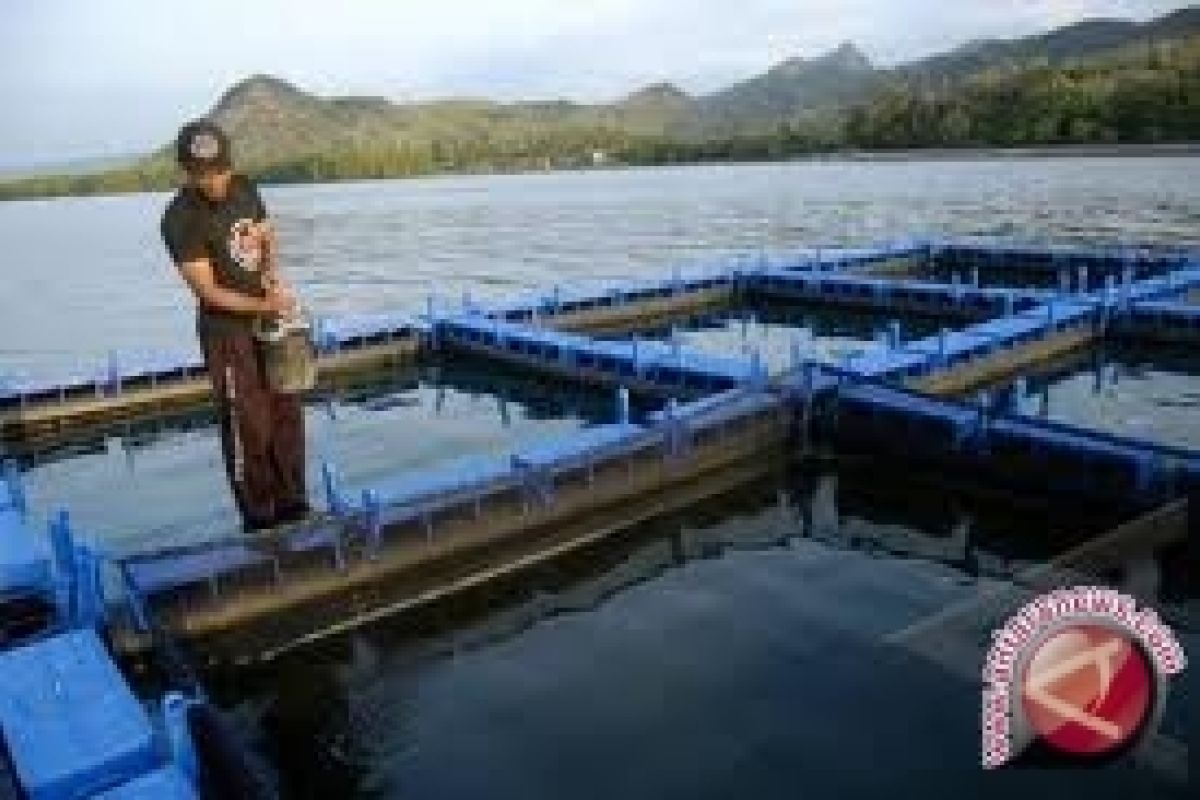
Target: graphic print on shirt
x,y
245,245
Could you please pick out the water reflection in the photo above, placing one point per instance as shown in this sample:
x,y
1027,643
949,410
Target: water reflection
x,y
1149,393
608,675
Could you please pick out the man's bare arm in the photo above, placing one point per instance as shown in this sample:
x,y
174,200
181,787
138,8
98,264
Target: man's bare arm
x,y
198,274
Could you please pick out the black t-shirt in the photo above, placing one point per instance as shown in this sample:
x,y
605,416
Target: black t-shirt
x,y
195,227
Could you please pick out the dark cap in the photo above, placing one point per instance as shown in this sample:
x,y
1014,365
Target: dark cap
x,y
201,144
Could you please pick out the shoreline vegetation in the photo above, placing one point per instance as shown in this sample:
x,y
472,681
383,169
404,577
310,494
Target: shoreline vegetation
x,y
1139,99
915,155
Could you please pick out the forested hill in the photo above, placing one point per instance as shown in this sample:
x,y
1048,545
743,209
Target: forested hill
x,y
1098,81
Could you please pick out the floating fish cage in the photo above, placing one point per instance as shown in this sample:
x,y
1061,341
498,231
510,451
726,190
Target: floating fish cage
x,y
161,482
781,333
1053,267
680,387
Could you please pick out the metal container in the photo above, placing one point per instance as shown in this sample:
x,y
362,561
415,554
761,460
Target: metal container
x,y
289,357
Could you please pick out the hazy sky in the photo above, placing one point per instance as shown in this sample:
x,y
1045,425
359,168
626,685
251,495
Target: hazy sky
x,y
92,77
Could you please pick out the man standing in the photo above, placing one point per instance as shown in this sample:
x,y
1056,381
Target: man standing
x,y
216,231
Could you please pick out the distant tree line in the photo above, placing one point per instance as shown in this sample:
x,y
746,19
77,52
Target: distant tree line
x,y
1146,93
1143,94
1140,94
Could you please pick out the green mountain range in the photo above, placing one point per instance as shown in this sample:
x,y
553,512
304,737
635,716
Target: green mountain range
x,y
1095,81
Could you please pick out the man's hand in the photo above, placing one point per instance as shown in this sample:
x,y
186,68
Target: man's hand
x,y
281,300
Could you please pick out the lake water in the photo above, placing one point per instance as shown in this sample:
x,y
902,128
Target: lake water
x,y
1145,392
739,648
86,275
739,655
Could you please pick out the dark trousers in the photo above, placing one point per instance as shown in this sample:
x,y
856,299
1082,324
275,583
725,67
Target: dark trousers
x,y
262,434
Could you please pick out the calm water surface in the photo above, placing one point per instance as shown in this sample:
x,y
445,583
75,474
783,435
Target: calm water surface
x,y
86,275
735,649
1146,392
